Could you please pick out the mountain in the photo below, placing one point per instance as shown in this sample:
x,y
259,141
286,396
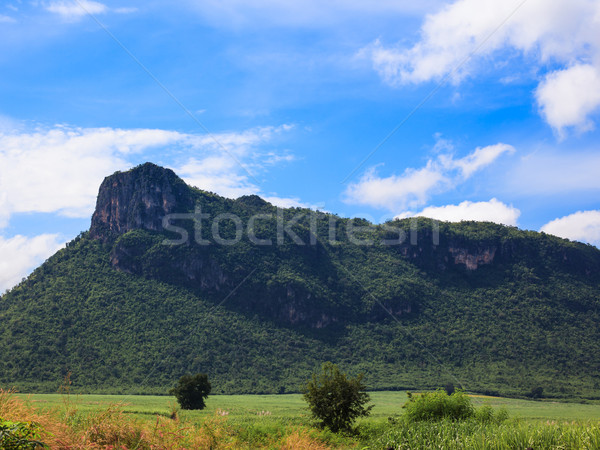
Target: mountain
x,y
172,279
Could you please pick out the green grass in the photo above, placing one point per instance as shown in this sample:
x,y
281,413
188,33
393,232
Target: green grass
x,y
259,421
292,408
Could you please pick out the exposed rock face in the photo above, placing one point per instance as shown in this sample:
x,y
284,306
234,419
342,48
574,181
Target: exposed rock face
x,y
449,253
139,198
472,260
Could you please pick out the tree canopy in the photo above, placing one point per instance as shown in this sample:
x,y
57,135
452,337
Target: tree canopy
x,y
192,391
335,399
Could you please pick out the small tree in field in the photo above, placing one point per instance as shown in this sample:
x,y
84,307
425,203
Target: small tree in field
x,y
191,391
335,399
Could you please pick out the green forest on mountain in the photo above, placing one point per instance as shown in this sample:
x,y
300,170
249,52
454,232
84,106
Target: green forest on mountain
x,y
130,313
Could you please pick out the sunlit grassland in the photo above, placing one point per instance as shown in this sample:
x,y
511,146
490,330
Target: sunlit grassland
x,y
291,408
283,422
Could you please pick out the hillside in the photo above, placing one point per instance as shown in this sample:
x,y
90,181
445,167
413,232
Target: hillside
x,y
131,305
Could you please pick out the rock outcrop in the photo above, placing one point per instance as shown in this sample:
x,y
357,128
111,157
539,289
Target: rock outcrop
x,y
138,199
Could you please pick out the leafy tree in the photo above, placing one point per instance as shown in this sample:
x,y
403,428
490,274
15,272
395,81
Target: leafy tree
x,y
335,399
536,392
191,391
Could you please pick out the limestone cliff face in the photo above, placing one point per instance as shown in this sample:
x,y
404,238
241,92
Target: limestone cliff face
x,y
444,257
138,199
472,260
443,252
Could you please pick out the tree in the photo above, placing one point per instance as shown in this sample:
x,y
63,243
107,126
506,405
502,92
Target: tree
x,y
449,388
191,391
335,399
536,392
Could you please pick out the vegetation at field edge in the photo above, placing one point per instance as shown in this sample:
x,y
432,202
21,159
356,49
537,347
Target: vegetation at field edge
x,y
283,422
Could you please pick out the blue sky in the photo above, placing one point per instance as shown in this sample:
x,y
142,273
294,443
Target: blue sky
x,y
472,109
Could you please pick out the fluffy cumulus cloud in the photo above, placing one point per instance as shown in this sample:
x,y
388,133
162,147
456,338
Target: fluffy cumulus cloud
x,y
20,255
491,211
568,97
561,34
411,188
58,170
415,187
581,226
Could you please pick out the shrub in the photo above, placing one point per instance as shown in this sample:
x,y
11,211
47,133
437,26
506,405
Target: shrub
x,y
335,399
19,435
439,405
486,414
191,391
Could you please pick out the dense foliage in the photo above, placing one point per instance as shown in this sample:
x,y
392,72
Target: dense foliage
x,y
335,399
19,436
129,314
192,391
439,405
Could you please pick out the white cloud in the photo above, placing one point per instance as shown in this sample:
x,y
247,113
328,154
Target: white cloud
x,y
58,170
217,173
491,211
415,186
481,157
20,255
563,32
410,189
568,97
581,226
74,10
4,210
230,161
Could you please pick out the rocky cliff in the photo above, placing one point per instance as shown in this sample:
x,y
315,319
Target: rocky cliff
x,y
138,199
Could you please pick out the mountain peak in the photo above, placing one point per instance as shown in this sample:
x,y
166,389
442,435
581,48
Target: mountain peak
x,y
138,198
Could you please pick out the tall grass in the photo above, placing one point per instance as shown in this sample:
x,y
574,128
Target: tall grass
x,y
111,428
473,434
71,426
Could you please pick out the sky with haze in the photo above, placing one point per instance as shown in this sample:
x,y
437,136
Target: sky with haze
x,y
456,110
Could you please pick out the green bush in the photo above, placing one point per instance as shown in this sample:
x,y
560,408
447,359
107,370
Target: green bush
x,y
19,435
486,414
439,405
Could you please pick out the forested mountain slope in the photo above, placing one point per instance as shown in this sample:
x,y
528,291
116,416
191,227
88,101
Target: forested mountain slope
x,y
171,279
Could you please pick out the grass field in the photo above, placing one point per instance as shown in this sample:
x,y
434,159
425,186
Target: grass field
x,y
291,407
282,421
